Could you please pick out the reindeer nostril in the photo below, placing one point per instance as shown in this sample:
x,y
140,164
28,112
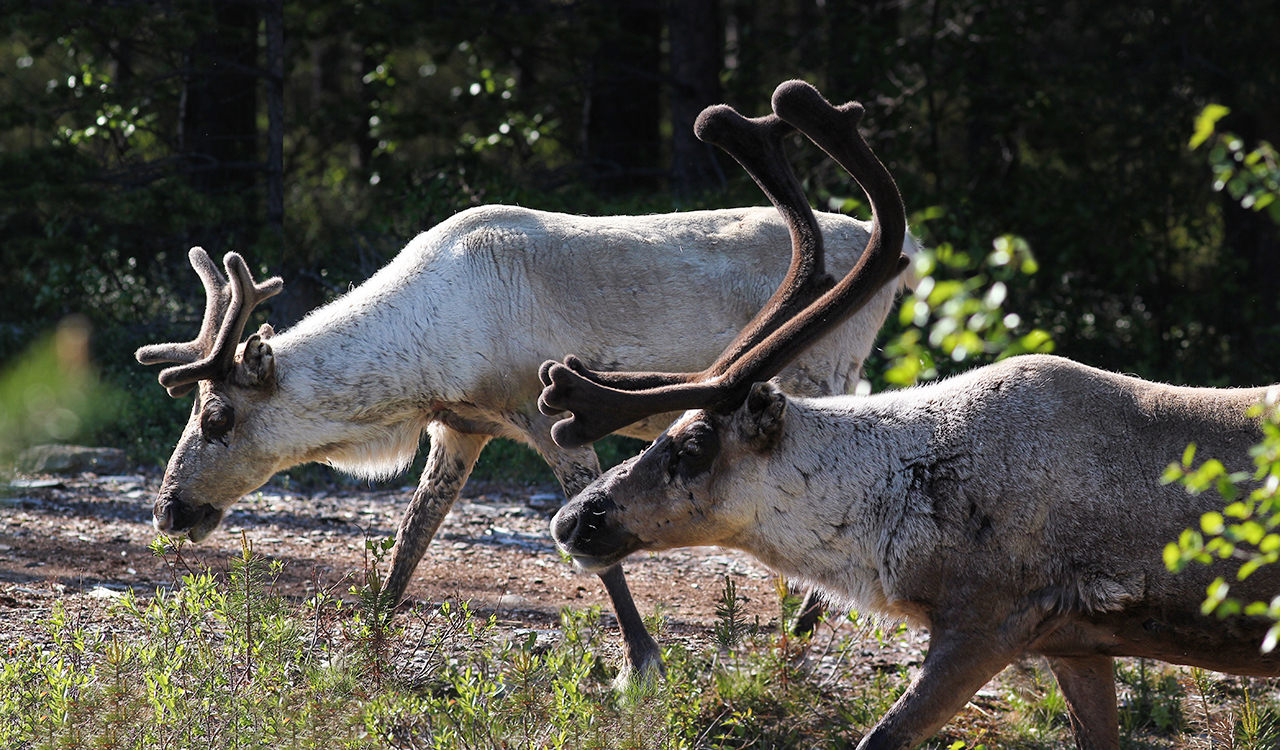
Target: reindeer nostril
x,y
564,524
174,516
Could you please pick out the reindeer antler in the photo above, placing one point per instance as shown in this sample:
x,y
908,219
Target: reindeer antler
x,y
756,144
792,319
228,304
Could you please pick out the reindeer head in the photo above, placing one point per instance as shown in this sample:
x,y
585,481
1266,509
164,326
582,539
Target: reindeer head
x,y
666,496
669,495
210,469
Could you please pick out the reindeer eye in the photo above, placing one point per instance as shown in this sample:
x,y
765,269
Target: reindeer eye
x,y
696,452
216,421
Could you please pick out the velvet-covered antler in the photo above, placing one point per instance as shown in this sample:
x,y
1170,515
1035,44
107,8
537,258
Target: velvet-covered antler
x,y
228,304
792,319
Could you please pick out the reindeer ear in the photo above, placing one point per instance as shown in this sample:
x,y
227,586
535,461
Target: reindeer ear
x,y
266,331
257,367
763,414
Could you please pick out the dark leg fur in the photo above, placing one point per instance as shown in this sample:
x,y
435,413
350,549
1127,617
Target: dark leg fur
x,y
449,462
1089,686
577,468
644,658
811,610
958,664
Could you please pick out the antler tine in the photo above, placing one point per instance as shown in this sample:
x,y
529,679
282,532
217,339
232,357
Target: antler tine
x,y
828,126
801,105
778,334
229,302
217,298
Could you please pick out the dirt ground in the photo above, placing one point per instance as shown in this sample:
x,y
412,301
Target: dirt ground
x,y
83,540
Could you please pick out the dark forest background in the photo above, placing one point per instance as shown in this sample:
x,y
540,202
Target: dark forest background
x,y
317,138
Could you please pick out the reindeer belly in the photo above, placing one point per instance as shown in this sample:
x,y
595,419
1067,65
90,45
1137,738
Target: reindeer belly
x,y
1174,636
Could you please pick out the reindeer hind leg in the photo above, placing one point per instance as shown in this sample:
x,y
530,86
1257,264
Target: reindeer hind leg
x,y
576,468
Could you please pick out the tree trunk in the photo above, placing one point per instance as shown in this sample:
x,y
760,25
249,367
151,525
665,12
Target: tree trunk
x,y
697,54
274,10
219,107
623,111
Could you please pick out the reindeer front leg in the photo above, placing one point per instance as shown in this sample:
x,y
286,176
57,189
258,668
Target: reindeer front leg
x,y
1089,686
644,657
449,462
958,664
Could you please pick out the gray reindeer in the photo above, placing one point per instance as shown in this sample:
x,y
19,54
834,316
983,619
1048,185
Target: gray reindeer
x,y
447,339
1015,509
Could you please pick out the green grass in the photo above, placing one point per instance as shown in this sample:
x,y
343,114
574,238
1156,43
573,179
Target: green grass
x,y
228,662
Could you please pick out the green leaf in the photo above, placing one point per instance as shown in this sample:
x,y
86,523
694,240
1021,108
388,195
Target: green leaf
x,y
1249,531
932,212
1237,510
1215,594
1037,341
1228,608
943,291
1205,122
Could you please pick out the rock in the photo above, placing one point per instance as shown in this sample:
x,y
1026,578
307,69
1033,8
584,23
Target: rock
x,y
537,640
72,459
546,501
512,601
102,592
38,484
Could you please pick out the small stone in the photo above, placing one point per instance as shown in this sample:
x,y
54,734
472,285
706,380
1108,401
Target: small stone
x,y
72,459
512,601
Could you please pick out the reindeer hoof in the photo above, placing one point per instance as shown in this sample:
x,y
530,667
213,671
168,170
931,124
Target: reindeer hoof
x,y
640,682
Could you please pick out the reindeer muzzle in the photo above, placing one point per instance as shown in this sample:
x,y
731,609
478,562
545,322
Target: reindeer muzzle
x,y
174,517
585,528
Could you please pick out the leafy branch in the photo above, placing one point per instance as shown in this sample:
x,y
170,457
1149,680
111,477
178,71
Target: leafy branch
x,y
1246,528
957,310
1251,177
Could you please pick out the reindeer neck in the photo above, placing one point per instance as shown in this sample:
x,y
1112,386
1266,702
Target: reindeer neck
x,y
376,348
838,478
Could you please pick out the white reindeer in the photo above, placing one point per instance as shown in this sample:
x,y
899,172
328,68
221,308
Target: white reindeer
x,y
1015,509
447,340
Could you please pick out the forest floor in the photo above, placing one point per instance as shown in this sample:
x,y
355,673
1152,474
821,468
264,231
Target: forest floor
x,y
82,541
